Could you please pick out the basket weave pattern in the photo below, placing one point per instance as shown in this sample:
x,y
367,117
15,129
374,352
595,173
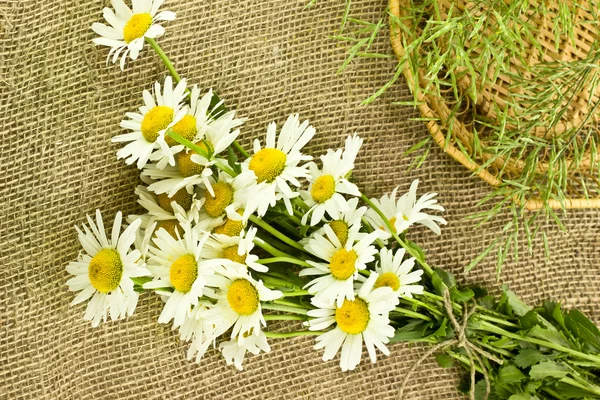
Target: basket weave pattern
x,y
492,97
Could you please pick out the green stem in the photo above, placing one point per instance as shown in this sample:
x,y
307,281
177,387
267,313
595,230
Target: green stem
x,y
287,303
240,149
268,248
289,260
279,307
295,293
164,59
282,335
282,317
410,313
424,305
276,233
486,326
583,385
401,242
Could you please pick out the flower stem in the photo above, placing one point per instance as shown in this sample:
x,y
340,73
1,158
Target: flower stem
x,y
295,293
289,260
268,248
401,242
486,326
412,314
276,233
240,149
164,59
282,335
283,317
289,309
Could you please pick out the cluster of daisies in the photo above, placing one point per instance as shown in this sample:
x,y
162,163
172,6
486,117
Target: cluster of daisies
x,y
230,240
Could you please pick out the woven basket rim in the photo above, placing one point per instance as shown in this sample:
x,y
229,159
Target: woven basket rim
x,y
433,108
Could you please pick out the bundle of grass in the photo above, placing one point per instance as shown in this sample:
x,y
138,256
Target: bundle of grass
x,y
511,91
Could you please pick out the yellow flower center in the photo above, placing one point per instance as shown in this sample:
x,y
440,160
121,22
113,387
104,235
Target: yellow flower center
x,y
231,253
268,164
183,273
388,279
323,188
353,316
171,226
215,205
137,25
392,224
342,264
155,120
105,270
182,197
340,228
242,297
185,165
186,128
230,228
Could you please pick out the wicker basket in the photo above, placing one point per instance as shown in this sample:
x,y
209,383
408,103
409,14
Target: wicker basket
x,y
439,113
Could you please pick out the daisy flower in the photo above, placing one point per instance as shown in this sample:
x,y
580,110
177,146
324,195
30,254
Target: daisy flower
x,y
238,305
327,186
177,264
234,352
236,249
344,221
276,164
395,272
167,212
406,211
195,329
337,275
129,28
160,111
103,271
366,317
212,133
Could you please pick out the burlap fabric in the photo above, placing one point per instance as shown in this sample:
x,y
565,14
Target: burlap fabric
x,y
60,105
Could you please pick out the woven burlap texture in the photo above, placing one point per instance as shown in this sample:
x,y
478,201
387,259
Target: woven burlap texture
x,y
60,105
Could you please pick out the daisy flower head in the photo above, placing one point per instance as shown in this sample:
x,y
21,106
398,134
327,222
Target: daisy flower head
x,y
166,212
196,330
406,211
235,249
232,198
160,112
364,318
327,186
238,305
103,270
234,352
129,27
344,221
276,165
212,132
395,272
179,271
335,281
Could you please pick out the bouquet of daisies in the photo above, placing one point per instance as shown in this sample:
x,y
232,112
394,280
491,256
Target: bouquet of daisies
x,y
231,240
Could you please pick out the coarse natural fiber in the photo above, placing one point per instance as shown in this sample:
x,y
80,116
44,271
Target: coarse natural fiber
x,y
60,105
495,94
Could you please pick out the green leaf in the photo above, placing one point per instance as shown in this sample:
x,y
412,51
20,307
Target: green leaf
x,y
510,374
515,303
461,296
584,329
548,369
528,357
529,320
551,336
444,360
